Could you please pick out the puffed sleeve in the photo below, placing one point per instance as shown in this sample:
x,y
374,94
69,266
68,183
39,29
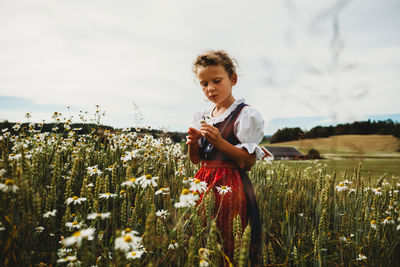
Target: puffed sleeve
x,y
249,129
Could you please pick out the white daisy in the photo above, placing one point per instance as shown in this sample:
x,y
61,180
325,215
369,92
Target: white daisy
x,y
147,180
173,245
128,242
162,214
361,257
222,190
107,195
377,191
135,254
388,220
78,236
94,170
187,199
50,213
132,182
163,190
199,186
75,200
93,216
73,225
9,186
341,187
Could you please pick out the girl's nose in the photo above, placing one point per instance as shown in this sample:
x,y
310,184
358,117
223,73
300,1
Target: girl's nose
x,y
210,88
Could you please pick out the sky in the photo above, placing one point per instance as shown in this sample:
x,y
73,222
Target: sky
x,y
301,63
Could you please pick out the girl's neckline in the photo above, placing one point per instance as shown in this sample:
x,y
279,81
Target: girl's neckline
x,y
226,113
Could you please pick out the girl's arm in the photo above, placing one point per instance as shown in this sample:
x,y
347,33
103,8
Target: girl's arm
x,y
242,158
193,145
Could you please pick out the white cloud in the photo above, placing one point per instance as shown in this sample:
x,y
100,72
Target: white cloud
x,y
83,53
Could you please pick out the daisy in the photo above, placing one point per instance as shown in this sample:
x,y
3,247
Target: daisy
x,y
163,190
50,213
68,259
222,190
361,257
73,225
1,227
39,229
203,263
199,186
75,200
204,253
94,170
132,182
78,236
147,180
128,242
93,216
173,245
341,187
374,224
377,191
186,180
107,195
9,186
388,220
186,199
136,254
162,214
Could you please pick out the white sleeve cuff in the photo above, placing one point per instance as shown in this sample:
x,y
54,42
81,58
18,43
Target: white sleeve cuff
x,y
251,148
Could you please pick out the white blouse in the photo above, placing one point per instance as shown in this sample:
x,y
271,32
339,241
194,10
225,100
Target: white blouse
x,y
248,127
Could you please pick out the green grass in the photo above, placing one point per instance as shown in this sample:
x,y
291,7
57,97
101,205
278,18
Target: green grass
x,y
375,167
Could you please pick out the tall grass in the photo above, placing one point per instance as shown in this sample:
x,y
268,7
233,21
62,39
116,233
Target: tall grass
x,y
111,199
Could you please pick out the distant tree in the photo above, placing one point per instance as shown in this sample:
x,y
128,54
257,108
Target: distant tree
x,y
313,154
287,134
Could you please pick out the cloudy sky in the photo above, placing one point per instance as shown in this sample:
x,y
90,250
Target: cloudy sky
x,y
301,63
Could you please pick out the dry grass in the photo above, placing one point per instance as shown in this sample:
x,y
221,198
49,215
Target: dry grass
x,y
349,144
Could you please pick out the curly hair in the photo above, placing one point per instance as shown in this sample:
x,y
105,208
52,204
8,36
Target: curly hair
x,y
216,58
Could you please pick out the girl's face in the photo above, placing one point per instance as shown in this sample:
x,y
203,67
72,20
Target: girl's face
x,y
216,84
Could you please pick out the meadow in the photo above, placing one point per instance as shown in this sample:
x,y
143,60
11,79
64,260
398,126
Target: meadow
x,y
129,199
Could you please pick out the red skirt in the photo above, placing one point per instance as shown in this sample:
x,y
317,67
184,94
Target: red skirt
x,y
220,173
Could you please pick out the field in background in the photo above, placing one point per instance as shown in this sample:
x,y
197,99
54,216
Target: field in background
x,y
377,154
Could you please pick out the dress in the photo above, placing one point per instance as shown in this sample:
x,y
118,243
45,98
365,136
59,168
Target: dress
x,y
241,126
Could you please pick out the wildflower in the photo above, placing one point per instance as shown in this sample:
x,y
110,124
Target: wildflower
x,y
204,253
222,190
203,263
341,187
147,180
377,191
78,236
361,257
136,254
107,195
186,199
90,185
9,186
385,182
13,156
75,200
128,242
93,216
94,170
374,224
132,182
199,186
347,182
73,225
68,259
50,213
186,180
163,190
162,214
173,245
130,155
1,227
16,126
388,220
39,229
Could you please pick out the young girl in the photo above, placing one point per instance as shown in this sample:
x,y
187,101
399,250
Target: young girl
x,y
225,141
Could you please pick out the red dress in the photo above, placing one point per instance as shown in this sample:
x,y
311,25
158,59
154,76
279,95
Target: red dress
x,y
219,170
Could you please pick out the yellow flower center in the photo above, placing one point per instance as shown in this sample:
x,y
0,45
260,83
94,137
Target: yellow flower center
x,y
223,187
133,179
378,189
388,218
122,191
128,230
173,242
75,198
73,215
197,181
185,191
341,185
133,253
127,238
9,182
373,222
75,223
77,234
108,194
148,176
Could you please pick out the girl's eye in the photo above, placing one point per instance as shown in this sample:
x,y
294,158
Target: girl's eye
x,y
217,81
204,84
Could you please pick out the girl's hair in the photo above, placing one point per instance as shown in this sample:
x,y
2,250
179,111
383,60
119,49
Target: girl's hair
x,y
216,58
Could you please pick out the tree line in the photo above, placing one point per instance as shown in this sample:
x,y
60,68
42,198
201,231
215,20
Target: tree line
x,y
386,127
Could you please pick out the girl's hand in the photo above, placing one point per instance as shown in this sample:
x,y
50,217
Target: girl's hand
x,y
193,137
211,133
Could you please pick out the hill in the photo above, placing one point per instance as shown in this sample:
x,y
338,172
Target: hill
x,y
359,145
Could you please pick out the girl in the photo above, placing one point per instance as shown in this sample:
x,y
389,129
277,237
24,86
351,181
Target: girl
x,y
225,141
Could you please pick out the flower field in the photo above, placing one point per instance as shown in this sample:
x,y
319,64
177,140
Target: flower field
x,y
129,199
